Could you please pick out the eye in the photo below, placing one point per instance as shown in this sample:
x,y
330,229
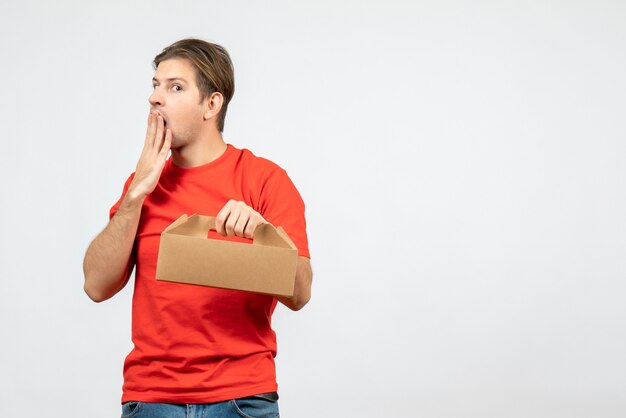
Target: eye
x,y
176,87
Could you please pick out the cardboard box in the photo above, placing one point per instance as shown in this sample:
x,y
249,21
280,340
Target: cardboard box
x,y
187,255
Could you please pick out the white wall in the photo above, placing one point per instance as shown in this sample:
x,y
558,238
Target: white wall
x,y
463,168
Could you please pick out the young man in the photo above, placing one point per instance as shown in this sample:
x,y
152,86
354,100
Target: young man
x,y
197,350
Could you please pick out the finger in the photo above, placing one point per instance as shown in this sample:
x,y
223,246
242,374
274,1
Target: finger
x,y
253,224
167,143
158,140
165,149
250,228
151,129
222,217
240,226
233,217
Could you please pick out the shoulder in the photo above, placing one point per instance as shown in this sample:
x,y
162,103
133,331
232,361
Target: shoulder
x,y
260,165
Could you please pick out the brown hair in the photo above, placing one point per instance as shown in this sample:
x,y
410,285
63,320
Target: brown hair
x,y
214,69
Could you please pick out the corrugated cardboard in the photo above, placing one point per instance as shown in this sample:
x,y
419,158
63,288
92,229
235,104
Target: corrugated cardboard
x,y
186,255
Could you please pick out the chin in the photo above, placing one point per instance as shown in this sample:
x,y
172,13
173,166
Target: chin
x,y
176,143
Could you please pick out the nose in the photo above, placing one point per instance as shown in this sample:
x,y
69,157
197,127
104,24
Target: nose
x,y
155,98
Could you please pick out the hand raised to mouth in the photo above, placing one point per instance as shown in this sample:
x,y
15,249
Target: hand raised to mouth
x,y
152,160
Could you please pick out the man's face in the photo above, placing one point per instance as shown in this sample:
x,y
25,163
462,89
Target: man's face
x,y
177,98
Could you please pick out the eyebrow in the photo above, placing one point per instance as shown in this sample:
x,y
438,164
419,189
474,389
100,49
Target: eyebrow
x,y
154,80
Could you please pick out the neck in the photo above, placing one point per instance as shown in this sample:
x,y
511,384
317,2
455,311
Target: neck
x,y
200,151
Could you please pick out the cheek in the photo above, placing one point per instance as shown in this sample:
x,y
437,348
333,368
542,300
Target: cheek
x,y
186,123
186,119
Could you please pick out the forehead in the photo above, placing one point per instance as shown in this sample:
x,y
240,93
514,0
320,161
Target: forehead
x,y
180,68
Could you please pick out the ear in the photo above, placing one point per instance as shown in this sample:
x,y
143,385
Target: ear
x,y
213,105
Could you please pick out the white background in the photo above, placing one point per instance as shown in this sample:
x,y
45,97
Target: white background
x,y
463,169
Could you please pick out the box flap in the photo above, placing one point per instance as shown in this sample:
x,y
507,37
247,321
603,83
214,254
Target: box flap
x,y
199,225
286,237
176,223
266,234
194,226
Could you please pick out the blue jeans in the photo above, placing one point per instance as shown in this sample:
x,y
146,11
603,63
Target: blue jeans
x,y
250,407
